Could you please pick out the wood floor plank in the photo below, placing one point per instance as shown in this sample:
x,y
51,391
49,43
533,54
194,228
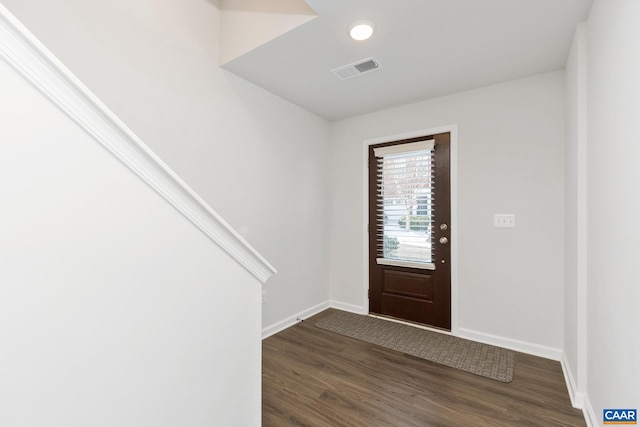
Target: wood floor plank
x,y
313,377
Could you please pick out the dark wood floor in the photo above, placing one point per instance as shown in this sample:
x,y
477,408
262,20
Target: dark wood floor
x,y
312,377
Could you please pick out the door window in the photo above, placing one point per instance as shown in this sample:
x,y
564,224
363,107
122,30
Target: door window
x,y
404,205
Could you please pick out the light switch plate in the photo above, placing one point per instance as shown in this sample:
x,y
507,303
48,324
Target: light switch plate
x,y
504,220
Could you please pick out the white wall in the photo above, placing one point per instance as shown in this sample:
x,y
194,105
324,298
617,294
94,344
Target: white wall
x,y
510,160
574,347
256,159
114,309
613,205
266,21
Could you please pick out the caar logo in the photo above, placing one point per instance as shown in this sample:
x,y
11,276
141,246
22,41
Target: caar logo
x,y
620,416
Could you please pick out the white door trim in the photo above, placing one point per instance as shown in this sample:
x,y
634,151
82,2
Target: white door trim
x,y
453,129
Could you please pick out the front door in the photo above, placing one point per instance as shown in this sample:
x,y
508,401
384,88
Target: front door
x,y
409,230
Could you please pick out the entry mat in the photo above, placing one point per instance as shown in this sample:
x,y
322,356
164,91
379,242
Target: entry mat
x,y
470,356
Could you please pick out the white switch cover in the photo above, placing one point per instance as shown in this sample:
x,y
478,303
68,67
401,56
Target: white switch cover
x,y
504,220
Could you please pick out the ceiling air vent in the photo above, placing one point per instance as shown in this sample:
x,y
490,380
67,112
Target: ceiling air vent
x,y
357,68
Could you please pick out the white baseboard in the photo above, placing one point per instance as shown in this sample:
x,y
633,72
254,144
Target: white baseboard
x,y
357,309
577,397
512,344
304,314
587,410
521,346
292,320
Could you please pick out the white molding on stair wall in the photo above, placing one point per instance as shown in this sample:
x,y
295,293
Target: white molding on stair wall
x,y
576,396
293,320
32,60
512,344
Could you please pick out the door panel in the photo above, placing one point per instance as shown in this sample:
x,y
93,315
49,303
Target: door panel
x,y
409,231
404,283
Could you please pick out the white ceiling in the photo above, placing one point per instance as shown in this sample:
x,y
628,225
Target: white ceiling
x,y
427,48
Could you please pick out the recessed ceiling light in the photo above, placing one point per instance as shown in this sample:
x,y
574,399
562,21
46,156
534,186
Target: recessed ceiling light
x,y
361,30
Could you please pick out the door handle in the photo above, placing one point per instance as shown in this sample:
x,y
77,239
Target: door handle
x,y
444,240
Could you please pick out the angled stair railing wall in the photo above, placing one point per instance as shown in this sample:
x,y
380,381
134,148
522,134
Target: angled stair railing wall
x,y
32,60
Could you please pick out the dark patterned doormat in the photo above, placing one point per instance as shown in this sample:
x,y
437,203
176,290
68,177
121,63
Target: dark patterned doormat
x,y
470,356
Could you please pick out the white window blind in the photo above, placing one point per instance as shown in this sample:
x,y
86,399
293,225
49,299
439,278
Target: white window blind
x,y
405,205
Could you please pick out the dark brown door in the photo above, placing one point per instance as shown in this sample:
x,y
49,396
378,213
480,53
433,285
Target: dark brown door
x,y
409,230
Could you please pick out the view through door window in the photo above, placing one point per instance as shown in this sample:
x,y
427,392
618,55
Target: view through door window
x,y
405,201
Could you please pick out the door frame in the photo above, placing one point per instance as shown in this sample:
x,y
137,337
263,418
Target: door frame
x,y
453,130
